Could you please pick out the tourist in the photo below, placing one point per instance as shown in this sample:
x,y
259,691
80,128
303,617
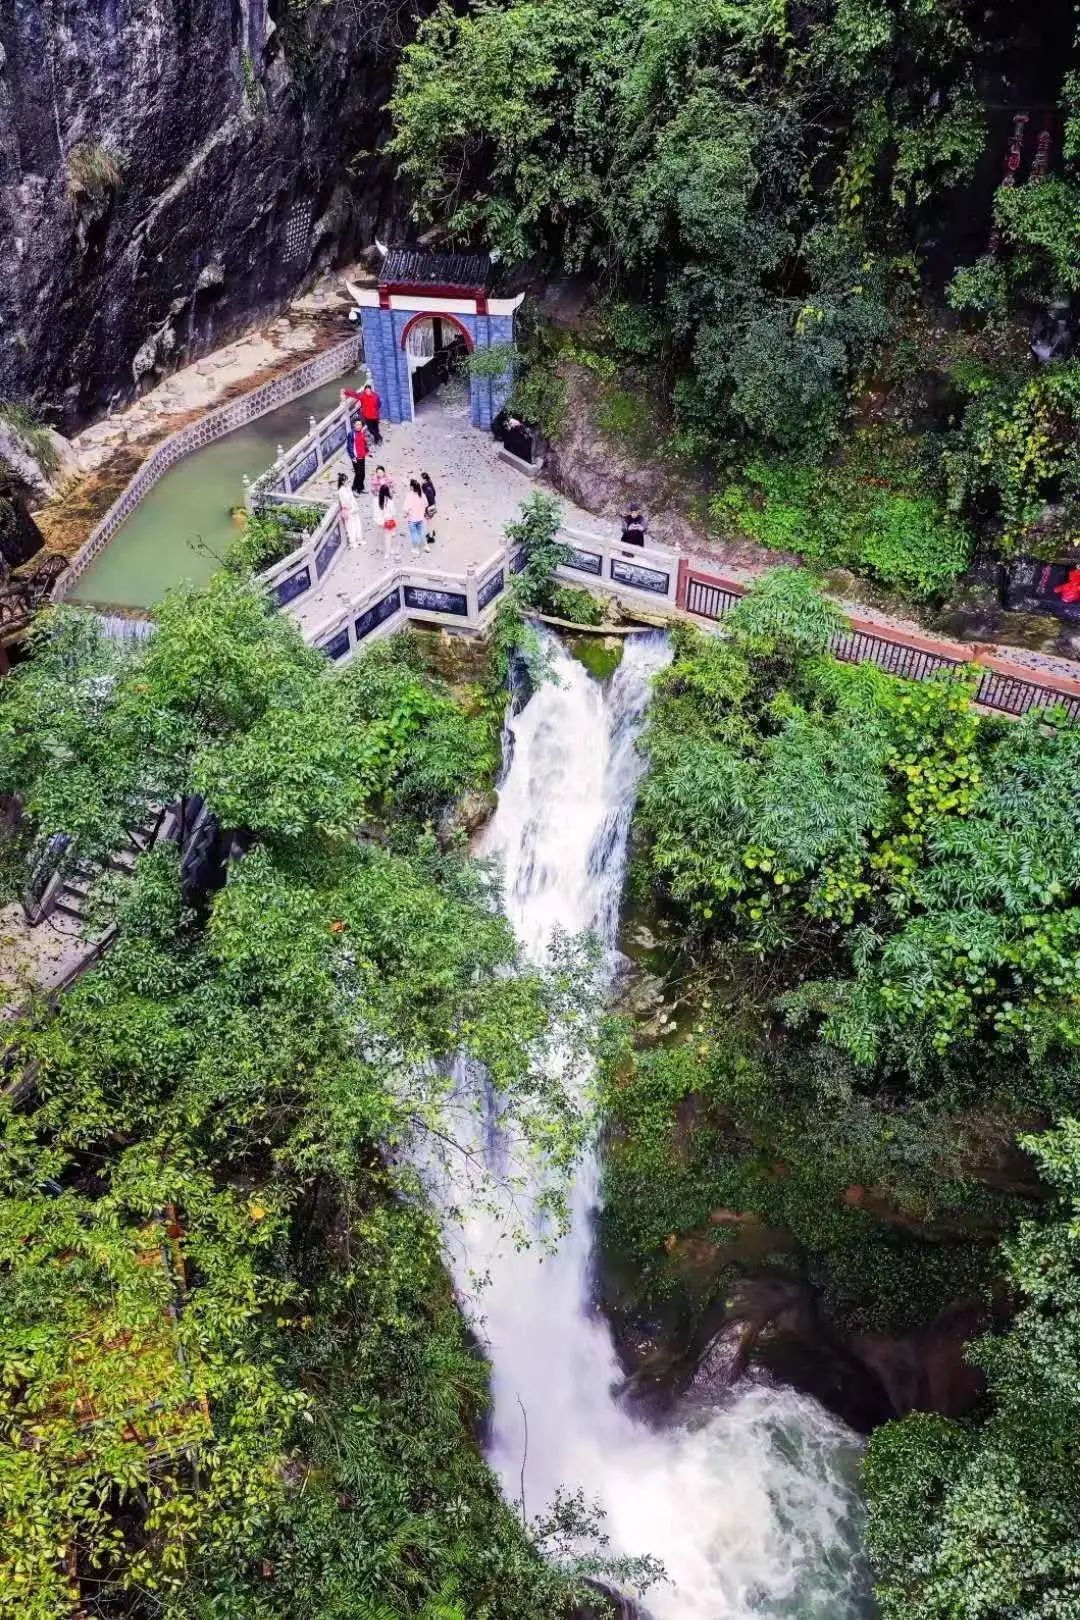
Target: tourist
x,y
370,405
416,513
633,526
429,495
349,509
382,496
357,446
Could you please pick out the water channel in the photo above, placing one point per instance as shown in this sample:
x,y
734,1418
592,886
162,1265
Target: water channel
x,y
751,1505
183,528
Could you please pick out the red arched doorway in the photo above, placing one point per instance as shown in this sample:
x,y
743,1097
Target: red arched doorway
x,y
435,344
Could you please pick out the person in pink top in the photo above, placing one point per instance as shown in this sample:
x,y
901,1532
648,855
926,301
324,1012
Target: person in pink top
x,y
416,513
382,498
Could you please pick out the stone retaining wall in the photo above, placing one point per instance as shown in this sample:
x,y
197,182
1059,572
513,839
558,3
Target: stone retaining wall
x,y
321,368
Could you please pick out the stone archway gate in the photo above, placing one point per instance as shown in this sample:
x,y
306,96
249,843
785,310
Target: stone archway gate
x,y
415,286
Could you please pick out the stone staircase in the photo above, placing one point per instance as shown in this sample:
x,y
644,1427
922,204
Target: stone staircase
x,y
68,892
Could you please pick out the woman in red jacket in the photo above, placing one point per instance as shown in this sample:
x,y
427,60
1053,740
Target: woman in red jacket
x,y
357,446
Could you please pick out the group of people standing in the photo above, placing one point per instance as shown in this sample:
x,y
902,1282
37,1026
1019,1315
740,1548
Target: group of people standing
x,y
419,501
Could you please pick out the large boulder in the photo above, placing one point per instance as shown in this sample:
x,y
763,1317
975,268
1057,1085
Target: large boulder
x,y
39,463
774,1326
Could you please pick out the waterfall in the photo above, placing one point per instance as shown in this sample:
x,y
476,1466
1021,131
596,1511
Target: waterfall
x,y
750,1507
125,627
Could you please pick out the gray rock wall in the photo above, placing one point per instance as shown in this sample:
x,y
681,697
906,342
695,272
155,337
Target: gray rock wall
x,y
170,169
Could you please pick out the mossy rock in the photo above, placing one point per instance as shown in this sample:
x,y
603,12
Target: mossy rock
x,y
601,655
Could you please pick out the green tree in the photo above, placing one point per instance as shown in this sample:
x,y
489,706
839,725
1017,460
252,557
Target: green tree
x,y
978,1520
883,830
676,148
233,1377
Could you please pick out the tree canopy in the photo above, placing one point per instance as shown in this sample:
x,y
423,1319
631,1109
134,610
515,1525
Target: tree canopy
x,y
739,164
234,1377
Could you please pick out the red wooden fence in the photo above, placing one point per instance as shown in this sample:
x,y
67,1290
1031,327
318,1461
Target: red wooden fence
x,y
1003,685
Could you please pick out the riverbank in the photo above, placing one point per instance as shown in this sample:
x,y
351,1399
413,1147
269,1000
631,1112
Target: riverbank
x,y
110,452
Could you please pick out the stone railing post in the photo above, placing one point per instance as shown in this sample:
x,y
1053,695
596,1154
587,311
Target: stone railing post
x,y
471,594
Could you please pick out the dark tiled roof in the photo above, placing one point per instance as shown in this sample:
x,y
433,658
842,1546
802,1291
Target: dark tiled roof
x,y
413,267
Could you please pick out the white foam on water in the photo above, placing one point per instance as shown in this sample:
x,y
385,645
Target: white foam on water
x,y
750,1507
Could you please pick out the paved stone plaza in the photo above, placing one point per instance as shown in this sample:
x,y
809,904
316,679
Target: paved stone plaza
x,y
478,495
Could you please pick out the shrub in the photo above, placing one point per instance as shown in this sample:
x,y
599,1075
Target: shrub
x,y
1016,456
93,170
573,603
871,515
270,535
537,392
981,288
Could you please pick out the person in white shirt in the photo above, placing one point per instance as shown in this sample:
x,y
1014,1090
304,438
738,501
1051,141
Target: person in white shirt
x,y
349,507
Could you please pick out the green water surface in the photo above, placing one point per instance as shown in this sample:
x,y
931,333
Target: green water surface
x,y
183,528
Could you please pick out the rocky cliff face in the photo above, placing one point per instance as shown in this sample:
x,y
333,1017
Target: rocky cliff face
x,y
170,169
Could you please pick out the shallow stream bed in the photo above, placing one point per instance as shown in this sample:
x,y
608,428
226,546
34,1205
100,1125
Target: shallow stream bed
x,y
183,528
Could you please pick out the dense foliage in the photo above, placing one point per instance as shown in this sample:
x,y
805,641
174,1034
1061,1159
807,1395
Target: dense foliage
x,y
680,147
871,978
919,859
981,1520
234,1378
769,198
872,514
880,905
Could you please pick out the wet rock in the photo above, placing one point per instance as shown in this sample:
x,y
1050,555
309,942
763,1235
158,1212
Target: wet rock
x,y
1053,334
473,811
775,1327
152,354
614,1605
211,275
642,993
928,1370
20,538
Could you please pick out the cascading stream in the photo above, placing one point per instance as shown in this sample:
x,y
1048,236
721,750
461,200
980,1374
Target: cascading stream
x,y
750,1508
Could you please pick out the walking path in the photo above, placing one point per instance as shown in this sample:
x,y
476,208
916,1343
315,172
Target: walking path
x,y
37,956
479,494
110,452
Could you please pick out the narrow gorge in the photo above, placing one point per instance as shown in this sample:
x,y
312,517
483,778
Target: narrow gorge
x,y
539,831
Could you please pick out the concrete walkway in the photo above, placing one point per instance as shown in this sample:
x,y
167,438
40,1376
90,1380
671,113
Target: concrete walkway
x,y
478,495
210,381
36,958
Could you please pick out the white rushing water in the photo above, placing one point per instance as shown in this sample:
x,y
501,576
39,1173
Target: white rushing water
x,y
750,1507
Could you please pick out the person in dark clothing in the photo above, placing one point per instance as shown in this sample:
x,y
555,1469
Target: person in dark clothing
x,y
357,446
370,406
634,526
429,496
